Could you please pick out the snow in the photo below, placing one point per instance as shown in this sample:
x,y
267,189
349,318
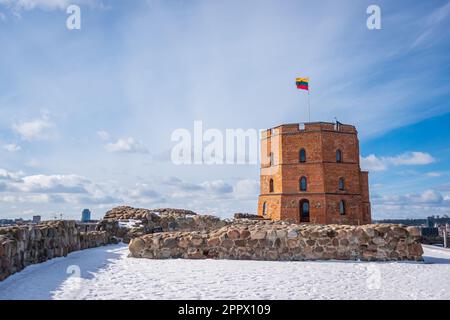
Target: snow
x,y
107,273
130,223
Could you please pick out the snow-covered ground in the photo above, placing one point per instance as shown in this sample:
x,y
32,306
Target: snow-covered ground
x,y
107,273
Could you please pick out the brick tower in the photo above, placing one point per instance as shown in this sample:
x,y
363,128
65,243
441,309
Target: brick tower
x,y
310,173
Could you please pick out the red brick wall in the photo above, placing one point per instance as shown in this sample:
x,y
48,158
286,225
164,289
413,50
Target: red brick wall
x,y
291,207
367,211
320,141
273,206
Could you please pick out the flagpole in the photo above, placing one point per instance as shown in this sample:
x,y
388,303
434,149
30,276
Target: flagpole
x,y
303,84
309,106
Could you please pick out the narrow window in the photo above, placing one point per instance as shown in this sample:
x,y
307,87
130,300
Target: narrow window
x,y
304,211
338,156
264,209
303,184
341,184
271,185
342,207
302,155
271,159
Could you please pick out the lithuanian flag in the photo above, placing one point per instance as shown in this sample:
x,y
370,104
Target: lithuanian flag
x,y
302,83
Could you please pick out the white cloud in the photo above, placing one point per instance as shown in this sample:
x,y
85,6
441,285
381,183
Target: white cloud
x,y
68,192
182,189
54,184
25,198
434,174
28,212
32,4
374,163
55,189
181,185
126,145
429,196
431,22
412,158
106,200
139,189
429,202
144,194
217,197
19,5
246,190
103,135
12,147
19,182
38,129
10,176
217,186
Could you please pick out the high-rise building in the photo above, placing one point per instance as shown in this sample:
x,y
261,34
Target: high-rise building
x,y
36,219
85,215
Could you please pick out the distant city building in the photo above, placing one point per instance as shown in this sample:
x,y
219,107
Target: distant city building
x,y
429,232
431,222
85,215
36,219
6,222
20,221
438,221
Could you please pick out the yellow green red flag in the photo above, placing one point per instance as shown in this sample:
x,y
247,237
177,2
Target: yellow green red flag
x,y
302,83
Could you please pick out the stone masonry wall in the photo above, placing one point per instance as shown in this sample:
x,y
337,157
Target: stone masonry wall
x,y
268,240
21,246
127,222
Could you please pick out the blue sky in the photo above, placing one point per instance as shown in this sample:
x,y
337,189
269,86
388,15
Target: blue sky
x,y
86,115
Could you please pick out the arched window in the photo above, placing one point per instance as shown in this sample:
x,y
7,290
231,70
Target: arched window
x,y
303,184
304,211
338,156
271,185
342,207
302,155
264,209
271,159
341,184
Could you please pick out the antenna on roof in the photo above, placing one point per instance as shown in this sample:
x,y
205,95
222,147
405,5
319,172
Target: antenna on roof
x,y
336,124
336,121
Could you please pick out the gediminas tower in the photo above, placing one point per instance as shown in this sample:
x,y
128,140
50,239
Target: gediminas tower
x,y
310,173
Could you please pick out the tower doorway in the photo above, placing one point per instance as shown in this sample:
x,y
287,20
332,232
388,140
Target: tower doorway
x,y
304,211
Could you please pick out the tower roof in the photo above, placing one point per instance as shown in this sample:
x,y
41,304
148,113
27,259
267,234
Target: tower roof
x,y
310,126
